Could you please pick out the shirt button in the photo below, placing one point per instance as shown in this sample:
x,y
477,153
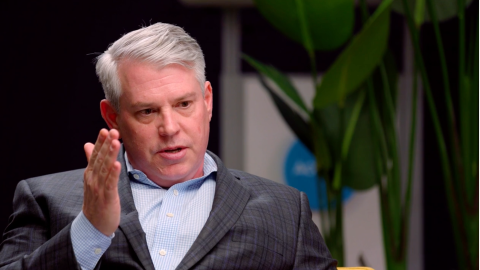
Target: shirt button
x,y
163,252
98,251
136,176
169,214
175,192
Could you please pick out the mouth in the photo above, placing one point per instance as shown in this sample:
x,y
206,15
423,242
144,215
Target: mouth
x,y
172,150
174,153
176,150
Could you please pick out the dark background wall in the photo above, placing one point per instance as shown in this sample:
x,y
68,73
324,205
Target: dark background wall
x,y
50,93
439,243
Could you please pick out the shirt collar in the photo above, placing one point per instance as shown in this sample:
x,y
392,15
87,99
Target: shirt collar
x,y
209,167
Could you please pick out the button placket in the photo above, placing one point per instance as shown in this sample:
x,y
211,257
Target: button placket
x,y
165,238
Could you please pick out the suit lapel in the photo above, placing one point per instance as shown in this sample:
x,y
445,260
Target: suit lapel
x,y
129,222
229,201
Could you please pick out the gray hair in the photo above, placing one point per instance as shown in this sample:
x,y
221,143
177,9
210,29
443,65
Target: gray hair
x,y
159,44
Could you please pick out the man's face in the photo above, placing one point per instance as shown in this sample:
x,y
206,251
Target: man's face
x,y
164,121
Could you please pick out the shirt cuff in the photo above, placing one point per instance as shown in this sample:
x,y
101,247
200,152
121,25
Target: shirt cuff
x,y
89,244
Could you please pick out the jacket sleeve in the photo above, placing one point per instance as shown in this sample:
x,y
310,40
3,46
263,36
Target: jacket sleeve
x,y
311,252
27,243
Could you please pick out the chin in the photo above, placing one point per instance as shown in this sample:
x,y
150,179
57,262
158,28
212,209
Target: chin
x,y
174,173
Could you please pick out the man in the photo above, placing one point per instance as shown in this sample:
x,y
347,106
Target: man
x,y
160,200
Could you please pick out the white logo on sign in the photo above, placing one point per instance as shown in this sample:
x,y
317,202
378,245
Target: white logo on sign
x,y
306,169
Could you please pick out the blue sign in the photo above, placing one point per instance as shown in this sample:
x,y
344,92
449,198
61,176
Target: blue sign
x,y
301,173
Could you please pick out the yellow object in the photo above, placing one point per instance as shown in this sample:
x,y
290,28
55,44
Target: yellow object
x,y
354,268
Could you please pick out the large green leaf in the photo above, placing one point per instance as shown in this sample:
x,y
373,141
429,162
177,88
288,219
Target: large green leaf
x,y
330,21
322,152
357,61
347,139
279,79
445,9
378,85
296,123
358,170
305,29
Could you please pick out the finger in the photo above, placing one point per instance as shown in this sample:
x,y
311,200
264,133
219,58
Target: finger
x,y
102,135
88,148
106,157
91,153
111,185
98,165
110,155
115,134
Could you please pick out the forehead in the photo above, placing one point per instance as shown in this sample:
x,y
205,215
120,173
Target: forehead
x,y
143,79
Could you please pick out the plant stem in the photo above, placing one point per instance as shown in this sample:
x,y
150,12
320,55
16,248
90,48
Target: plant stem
x,y
347,138
352,124
389,193
393,142
465,102
473,168
461,39
379,167
411,159
390,243
334,237
365,13
307,40
452,126
456,219
339,226
337,173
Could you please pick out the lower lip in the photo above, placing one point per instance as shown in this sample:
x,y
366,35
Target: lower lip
x,y
174,155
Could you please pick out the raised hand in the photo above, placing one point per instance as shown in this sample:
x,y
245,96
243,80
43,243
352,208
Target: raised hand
x,y
101,203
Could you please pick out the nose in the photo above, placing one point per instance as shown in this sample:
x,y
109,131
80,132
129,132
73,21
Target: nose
x,y
168,124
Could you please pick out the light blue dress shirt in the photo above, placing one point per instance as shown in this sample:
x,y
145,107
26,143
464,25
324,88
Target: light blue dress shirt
x,y
171,218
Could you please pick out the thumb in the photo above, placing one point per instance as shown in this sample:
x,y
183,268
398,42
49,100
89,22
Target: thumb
x,y
88,147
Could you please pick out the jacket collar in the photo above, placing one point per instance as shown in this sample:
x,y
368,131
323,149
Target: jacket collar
x,y
129,222
228,204
229,201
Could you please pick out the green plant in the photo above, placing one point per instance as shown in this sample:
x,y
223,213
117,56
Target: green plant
x,y
458,141
351,127
336,130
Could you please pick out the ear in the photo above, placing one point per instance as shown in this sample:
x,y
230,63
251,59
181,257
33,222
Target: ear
x,y
208,98
109,114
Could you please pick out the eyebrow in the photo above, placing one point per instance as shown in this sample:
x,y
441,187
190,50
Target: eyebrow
x,y
151,104
186,96
142,105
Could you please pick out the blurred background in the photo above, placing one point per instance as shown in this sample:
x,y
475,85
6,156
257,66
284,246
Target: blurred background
x,y
51,95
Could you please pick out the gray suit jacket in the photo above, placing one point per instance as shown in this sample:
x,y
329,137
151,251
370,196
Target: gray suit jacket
x,y
254,224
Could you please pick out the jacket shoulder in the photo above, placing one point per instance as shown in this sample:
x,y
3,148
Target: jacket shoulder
x,y
56,185
264,186
58,175
56,178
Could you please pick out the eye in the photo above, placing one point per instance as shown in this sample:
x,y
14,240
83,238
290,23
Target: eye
x,y
184,104
147,111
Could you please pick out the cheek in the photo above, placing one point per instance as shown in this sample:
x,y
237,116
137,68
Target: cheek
x,y
203,125
134,132
144,133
